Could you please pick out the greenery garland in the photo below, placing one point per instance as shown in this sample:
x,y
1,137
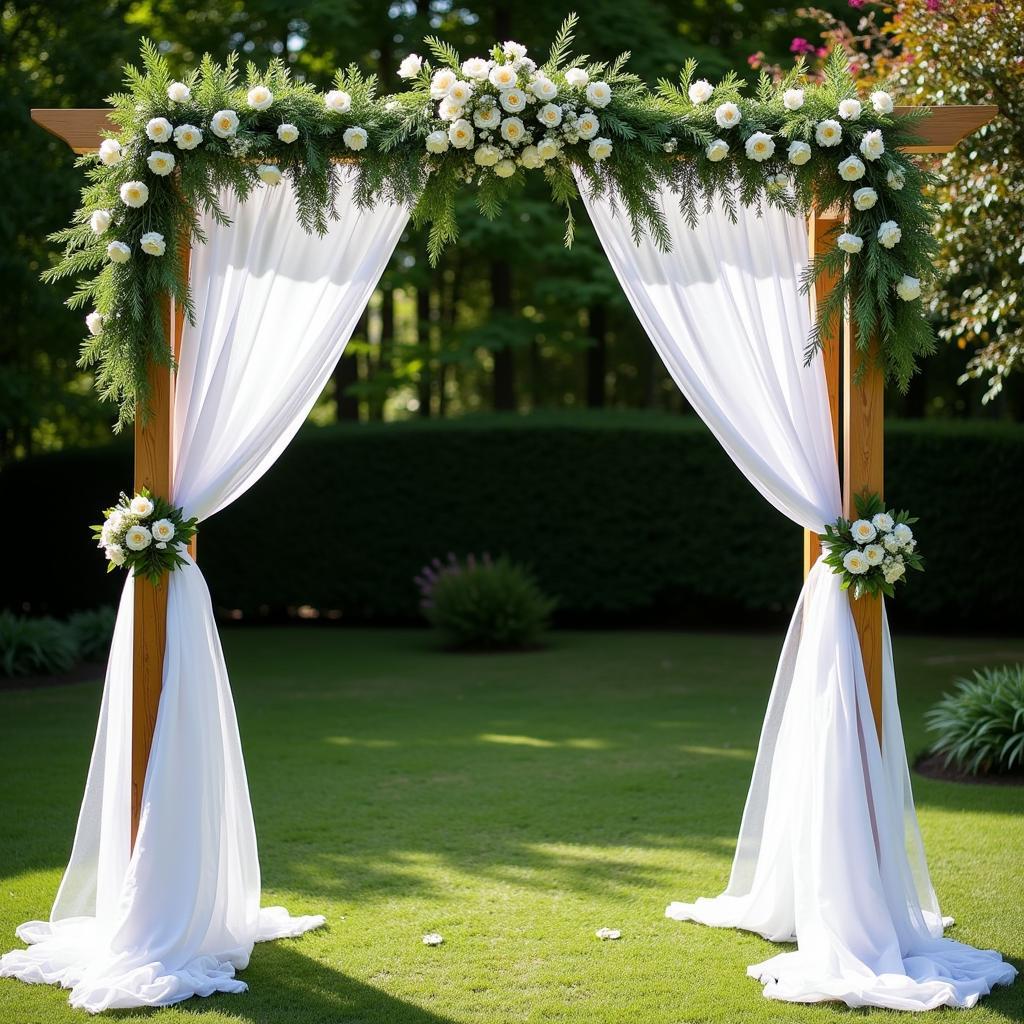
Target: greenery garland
x,y
794,145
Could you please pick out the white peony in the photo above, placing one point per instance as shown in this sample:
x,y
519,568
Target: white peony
x,y
895,180
760,146
513,100
512,129
727,115
599,94
872,145
849,110
94,322
339,102
577,77
828,133
487,117
160,163
851,169
437,142
187,136
548,149
543,88
530,158
600,149
863,531
355,138
224,124
504,168
461,134
850,243
875,554
798,153
134,193
718,149
503,76
903,533
159,129
882,522
287,133
99,221
889,233
908,288
476,68
115,553
460,92
110,152
893,572
587,126
152,243
118,252
138,538
864,198
486,156
855,562
179,92
882,102
550,114
259,97
793,99
163,529
700,91
410,66
270,173
140,506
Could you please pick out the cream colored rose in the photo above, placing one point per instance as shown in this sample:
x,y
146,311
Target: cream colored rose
x,y
851,169
224,124
850,243
727,115
152,243
99,221
600,149
599,94
874,553
134,193
882,522
882,102
486,156
338,101
187,136
259,97
512,130
355,138
793,99
550,115
118,252
140,506
503,76
410,66
717,149
543,88
577,77
110,152
530,158
460,92
760,146
855,562
908,288
138,538
476,68
461,134
179,92
163,530
863,531
449,110
437,142
270,173
513,100
828,133
504,168
864,198
287,133
903,533
872,146
94,322
889,233
548,149
849,110
798,153
587,126
700,91
160,163
159,129
487,116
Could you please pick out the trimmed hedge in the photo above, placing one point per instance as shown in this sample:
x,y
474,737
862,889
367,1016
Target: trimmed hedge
x,y
627,518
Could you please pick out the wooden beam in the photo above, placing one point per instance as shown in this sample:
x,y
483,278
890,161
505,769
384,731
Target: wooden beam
x,y
81,129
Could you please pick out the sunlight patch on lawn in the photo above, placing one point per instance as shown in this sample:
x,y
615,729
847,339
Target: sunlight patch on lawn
x,y
735,753
581,743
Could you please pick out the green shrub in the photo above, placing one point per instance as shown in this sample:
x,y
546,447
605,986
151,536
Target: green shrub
x,y
484,604
94,630
35,646
981,724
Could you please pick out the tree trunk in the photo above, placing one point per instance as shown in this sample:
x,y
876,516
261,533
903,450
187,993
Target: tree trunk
x,y
423,331
346,373
504,358
597,355
384,350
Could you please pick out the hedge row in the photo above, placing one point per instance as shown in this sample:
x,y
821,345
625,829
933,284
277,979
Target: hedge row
x,y
627,518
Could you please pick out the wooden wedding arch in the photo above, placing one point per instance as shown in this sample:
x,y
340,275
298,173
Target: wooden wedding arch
x,y
857,427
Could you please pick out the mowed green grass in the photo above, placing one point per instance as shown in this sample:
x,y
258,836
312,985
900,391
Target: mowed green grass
x,y
514,803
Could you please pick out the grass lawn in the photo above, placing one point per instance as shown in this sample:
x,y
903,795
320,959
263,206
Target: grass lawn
x,y
513,803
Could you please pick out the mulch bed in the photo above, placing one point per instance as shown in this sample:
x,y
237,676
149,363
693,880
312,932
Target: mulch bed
x,y
86,672
933,766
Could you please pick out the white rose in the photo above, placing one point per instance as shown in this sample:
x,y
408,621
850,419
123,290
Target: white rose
x,y
504,168
340,102
882,522
850,243
530,158
224,124
461,134
855,562
550,114
411,66
179,92
851,169
503,76
874,553
908,288
548,149
514,50
287,133
882,102
863,531
152,243
849,110
437,142
487,117
476,68
700,91
828,133
793,99
600,149
160,163
894,571
259,97
599,94
460,92
513,100
798,153
760,146
115,553
118,252
163,529
543,88
865,198
512,129
355,138
110,152
577,77
903,533
270,173
872,145
134,193
891,543
94,322
717,150
587,126
159,129
138,538
895,180
187,136
727,115
486,156
449,110
140,506
889,233
99,221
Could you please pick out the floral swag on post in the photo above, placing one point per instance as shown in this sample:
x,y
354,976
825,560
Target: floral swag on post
x,y
485,123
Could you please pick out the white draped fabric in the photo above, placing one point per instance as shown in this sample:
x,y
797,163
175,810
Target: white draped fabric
x,y
829,852
179,915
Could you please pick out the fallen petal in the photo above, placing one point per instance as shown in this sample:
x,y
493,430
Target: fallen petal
x,y
433,939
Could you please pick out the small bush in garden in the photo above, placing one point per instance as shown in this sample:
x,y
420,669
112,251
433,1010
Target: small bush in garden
x,y
94,630
484,604
35,646
981,724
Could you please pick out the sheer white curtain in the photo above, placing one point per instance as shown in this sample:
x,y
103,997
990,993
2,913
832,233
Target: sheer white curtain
x,y
829,851
274,308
